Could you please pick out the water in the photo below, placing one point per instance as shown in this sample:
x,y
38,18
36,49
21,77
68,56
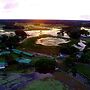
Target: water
x,y
48,41
8,33
53,32
51,41
34,33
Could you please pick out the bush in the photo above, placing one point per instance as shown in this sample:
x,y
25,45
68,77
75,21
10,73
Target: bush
x,y
69,62
10,60
45,65
84,32
68,49
73,32
85,57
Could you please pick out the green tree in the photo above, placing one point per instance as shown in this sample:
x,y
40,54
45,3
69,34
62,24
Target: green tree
x,y
84,32
69,63
73,32
85,58
21,33
68,48
45,65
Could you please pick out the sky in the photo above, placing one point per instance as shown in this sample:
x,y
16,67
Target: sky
x,y
45,9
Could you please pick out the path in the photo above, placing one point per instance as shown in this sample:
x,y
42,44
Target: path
x,y
80,78
14,81
73,83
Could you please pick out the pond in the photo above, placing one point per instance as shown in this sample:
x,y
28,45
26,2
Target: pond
x,y
48,41
51,41
52,32
23,60
34,33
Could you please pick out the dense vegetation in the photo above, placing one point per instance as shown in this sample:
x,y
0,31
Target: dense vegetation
x,y
45,65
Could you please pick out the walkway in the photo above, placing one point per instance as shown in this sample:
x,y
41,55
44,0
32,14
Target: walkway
x,y
73,83
15,81
81,79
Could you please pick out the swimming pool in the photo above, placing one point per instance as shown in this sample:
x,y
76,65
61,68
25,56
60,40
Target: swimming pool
x,y
3,64
19,52
23,60
4,52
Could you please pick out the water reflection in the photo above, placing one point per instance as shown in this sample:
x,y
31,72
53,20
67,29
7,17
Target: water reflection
x,y
51,41
52,32
35,33
8,33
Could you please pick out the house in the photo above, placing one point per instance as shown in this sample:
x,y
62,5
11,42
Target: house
x,y
81,45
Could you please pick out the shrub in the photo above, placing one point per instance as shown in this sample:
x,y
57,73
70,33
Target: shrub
x,y
45,65
85,57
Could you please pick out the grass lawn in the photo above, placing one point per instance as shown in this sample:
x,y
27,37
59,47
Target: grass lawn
x,y
46,84
30,44
84,69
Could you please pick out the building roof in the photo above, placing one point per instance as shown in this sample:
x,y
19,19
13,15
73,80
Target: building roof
x,y
81,46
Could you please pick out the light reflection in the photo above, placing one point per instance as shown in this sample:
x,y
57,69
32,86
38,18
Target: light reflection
x,y
1,30
85,29
35,33
51,41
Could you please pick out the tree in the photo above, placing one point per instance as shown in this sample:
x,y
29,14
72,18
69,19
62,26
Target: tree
x,y
61,33
84,32
45,65
21,33
9,58
69,61
73,32
11,26
85,58
13,41
68,49
4,38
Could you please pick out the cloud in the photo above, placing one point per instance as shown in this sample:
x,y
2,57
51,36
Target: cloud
x,y
44,9
10,6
